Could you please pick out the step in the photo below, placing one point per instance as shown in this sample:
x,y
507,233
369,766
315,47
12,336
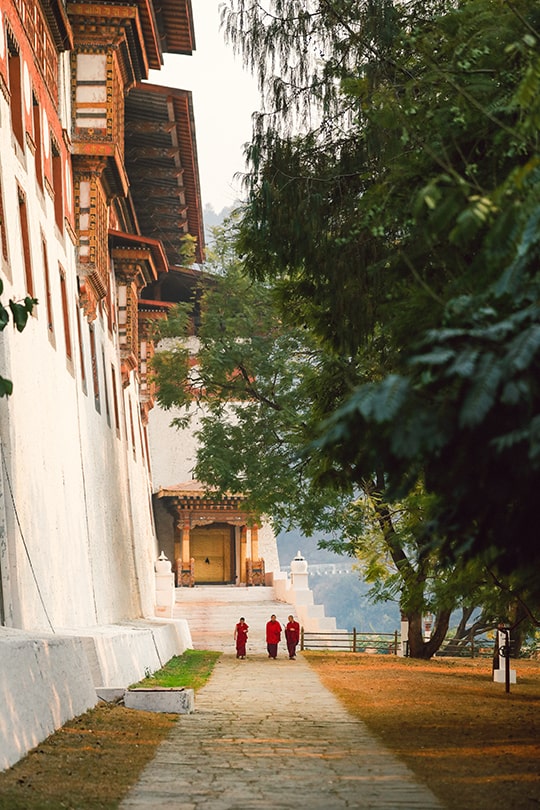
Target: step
x,y
225,593
212,613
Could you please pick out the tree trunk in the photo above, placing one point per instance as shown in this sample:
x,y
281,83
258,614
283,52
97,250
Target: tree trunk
x,y
518,621
418,648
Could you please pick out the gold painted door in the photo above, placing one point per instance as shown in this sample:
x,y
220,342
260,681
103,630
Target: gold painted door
x,y
212,550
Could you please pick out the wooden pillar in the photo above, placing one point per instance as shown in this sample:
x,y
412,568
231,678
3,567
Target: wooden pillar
x,y
186,550
243,553
177,548
256,575
182,553
254,542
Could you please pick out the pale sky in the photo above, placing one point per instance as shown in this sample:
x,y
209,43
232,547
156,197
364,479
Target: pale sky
x,y
224,97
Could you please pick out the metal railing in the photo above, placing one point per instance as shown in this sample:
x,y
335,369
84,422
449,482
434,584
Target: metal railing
x,y
354,641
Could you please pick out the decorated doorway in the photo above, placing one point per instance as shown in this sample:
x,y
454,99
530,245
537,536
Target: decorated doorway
x,y
213,553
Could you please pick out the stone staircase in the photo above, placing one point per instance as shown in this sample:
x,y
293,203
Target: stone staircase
x,y
212,612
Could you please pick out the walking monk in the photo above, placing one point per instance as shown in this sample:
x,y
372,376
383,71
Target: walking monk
x,y
273,636
240,636
292,634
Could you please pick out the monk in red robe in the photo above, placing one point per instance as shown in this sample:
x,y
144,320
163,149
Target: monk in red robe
x,y
240,636
292,634
273,636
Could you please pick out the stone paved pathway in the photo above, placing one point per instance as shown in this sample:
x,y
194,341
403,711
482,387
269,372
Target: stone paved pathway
x,y
268,734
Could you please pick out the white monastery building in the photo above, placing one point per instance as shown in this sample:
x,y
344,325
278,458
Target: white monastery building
x,y
99,208
99,188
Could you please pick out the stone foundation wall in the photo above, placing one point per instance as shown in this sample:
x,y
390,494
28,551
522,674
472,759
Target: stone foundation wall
x,y
46,680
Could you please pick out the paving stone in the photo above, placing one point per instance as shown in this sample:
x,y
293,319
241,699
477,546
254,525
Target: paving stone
x,y
268,734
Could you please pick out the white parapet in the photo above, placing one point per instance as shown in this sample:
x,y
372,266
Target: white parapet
x,y
46,680
296,592
164,587
282,586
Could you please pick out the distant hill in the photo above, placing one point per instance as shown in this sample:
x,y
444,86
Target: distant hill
x,y
344,596
289,543
212,219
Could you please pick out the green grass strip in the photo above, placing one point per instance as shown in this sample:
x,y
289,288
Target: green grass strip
x,y
191,670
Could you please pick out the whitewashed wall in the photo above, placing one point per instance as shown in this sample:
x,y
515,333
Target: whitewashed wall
x,y
173,456
172,451
77,540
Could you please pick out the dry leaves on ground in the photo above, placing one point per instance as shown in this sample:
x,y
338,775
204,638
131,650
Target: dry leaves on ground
x,y
474,744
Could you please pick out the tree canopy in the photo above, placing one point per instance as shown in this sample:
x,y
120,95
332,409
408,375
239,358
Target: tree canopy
x,y
370,358
393,200
253,386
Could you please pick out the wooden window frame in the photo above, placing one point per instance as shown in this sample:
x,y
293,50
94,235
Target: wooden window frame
x,y
15,89
65,313
25,240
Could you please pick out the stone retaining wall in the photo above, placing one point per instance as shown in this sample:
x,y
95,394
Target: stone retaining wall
x,y
46,679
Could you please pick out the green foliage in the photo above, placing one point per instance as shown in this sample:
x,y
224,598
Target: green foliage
x,y
19,315
188,249
250,380
407,208
259,388
371,363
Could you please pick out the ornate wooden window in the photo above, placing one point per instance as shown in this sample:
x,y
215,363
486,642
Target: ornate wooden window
x,y
115,400
95,375
106,388
48,294
38,136
65,313
92,218
37,32
25,239
3,231
81,349
91,104
15,89
58,186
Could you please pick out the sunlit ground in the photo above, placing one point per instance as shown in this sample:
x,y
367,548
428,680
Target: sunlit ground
x,y
474,744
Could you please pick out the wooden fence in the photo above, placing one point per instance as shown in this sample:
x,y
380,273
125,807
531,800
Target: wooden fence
x,y
386,644
341,641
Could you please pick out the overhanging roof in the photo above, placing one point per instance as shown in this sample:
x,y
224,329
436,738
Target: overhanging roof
x,y
138,246
194,495
175,25
162,166
59,24
156,27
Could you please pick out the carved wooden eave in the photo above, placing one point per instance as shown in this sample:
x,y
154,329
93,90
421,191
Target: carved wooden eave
x,y
58,22
161,162
138,261
115,26
133,266
191,502
101,159
164,27
175,24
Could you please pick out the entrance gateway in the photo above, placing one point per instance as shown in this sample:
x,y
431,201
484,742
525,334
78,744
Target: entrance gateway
x,y
212,541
